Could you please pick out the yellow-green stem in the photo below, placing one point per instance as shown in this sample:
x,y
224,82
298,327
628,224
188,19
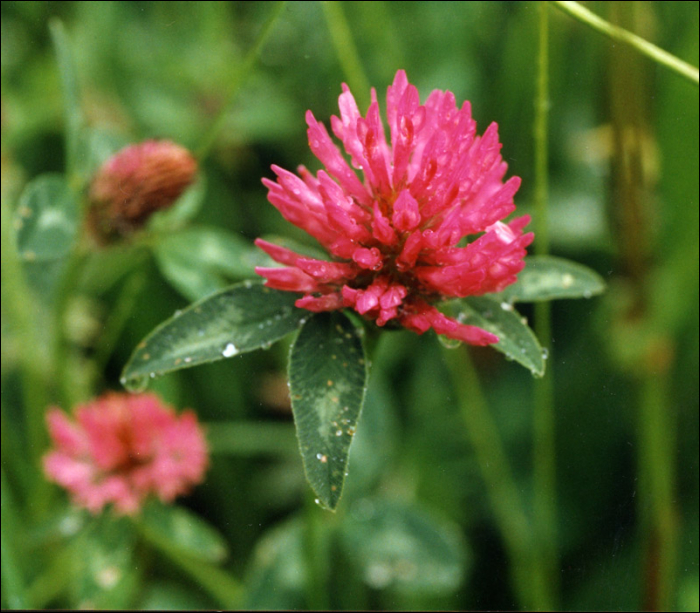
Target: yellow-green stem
x,y
658,55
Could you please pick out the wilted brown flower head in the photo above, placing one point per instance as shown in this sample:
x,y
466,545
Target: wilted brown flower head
x,y
135,183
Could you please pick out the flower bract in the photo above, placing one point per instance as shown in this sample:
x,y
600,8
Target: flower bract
x,y
423,224
122,448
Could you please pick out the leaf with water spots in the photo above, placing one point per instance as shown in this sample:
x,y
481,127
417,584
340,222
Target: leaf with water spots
x,y
327,382
242,318
550,278
516,340
46,220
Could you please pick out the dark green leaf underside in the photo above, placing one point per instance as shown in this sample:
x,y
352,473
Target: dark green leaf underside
x,y
549,278
516,339
327,380
242,318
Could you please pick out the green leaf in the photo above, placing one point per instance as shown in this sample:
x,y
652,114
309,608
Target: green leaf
x,y
46,219
173,596
516,340
241,318
549,278
199,261
278,573
183,210
106,573
327,382
71,95
399,546
13,585
184,530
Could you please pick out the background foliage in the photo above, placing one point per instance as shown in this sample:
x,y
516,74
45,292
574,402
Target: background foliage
x,y
415,528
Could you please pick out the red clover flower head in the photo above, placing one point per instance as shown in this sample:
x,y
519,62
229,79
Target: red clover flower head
x,y
135,183
122,448
396,237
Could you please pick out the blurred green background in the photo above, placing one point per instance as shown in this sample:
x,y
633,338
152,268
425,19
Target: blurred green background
x,y
623,140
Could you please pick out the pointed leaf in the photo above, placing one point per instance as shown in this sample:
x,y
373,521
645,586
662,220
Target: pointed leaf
x,y
241,318
327,382
72,112
199,261
400,546
184,530
516,340
46,219
549,278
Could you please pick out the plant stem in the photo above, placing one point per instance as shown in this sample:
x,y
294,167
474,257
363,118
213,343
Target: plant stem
x,y
62,355
658,55
130,291
315,557
238,79
13,585
503,493
17,301
346,49
544,430
656,458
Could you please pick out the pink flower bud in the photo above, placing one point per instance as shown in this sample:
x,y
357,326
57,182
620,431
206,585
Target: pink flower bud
x,y
135,183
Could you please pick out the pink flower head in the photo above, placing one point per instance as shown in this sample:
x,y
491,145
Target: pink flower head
x,y
122,448
135,183
396,237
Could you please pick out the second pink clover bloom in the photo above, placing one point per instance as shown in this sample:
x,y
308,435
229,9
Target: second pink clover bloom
x,y
396,237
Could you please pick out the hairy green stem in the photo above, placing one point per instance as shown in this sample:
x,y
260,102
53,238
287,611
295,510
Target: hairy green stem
x,y
544,431
503,493
346,49
118,317
238,79
658,55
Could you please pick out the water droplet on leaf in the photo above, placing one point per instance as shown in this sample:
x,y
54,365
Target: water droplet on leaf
x,y
229,351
